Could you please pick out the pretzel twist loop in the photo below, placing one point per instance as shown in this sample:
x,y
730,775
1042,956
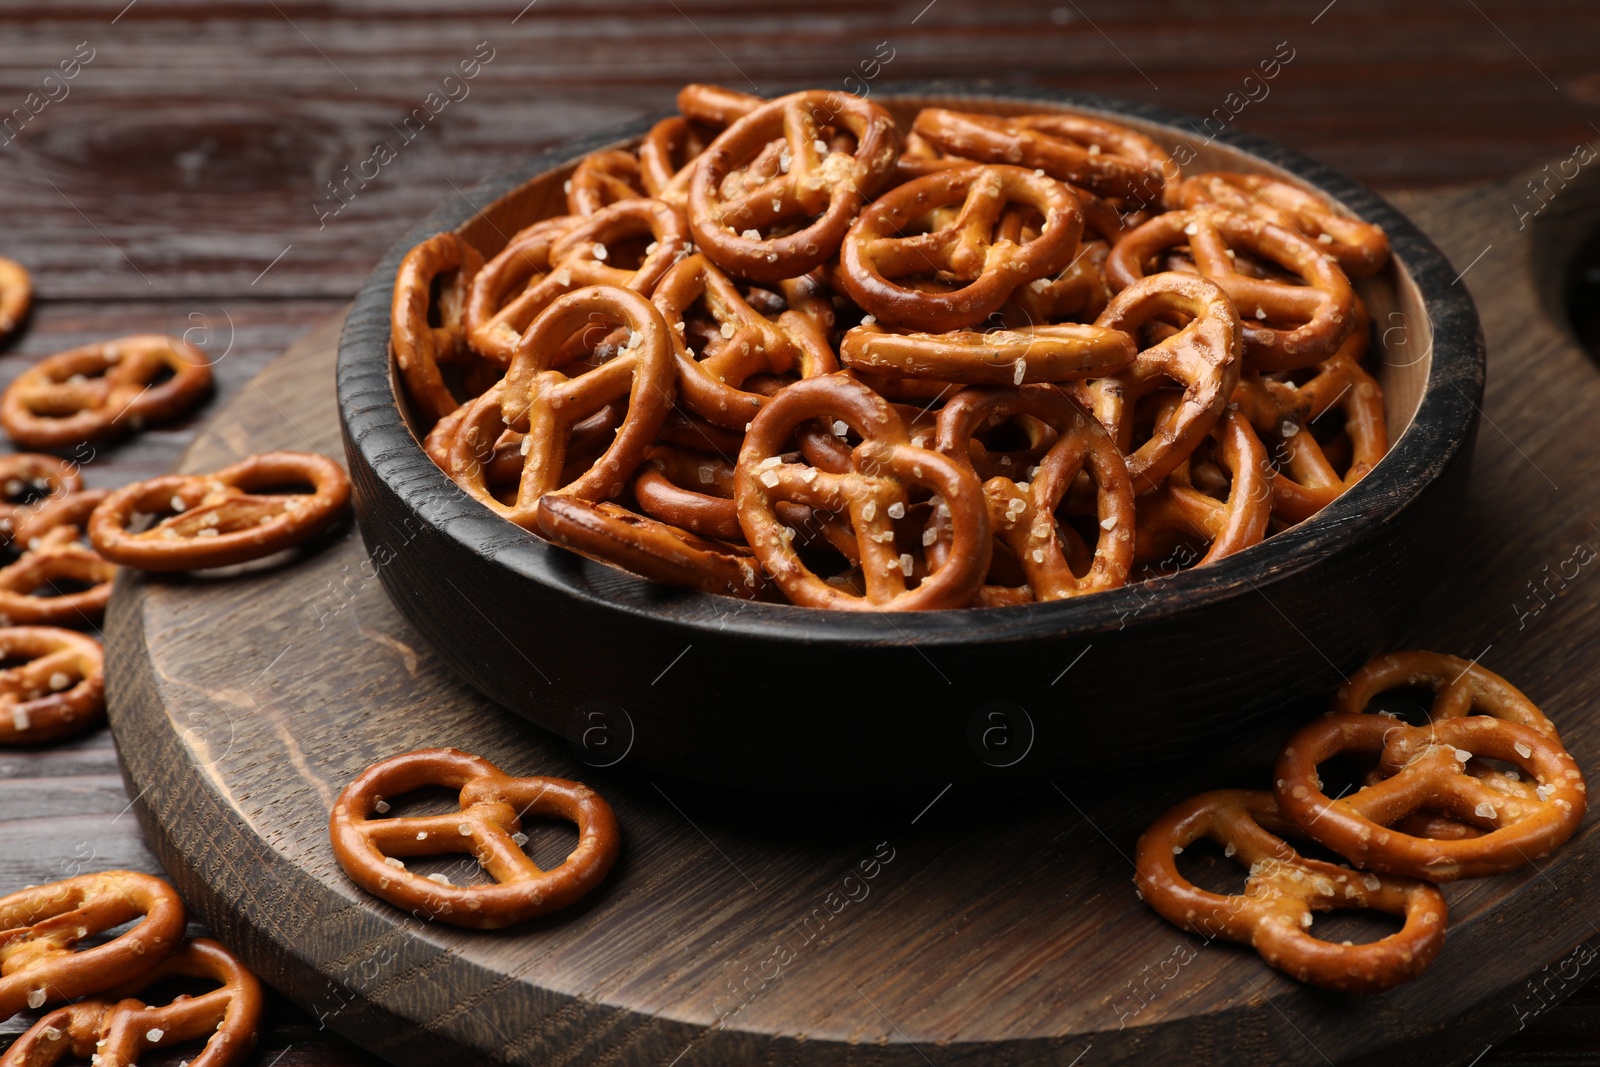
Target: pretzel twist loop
x,y
1274,913
41,927
493,805
224,518
59,691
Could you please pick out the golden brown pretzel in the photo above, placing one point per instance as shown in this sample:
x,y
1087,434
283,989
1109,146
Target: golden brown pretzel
x,y
28,481
1285,325
877,254
229,516
553,258
817,190
33,520
1002,356
512,287
51,559
747,343
40,929
103,390
693,490
602,179
546,400
1274,913
1022,507
419,346
1360,247
650,548
1178,511
1424,769
1203,357
713,105
1100,156
875,492
59,691
493,805
16,295
116,1029
1304,481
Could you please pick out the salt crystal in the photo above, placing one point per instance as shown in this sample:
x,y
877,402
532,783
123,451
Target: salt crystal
x,y
1544,791
397,864
727,330
1018,372
868,320
906,564
869,511
442,879
751,235
1523,750
1484,810
707,475
1191,229
1462,755
840,429
464,830
176,502
929,536
154,1035
600,252
422,835
60,680
36,998
769,478
1108,523
897,510
520,839
19,719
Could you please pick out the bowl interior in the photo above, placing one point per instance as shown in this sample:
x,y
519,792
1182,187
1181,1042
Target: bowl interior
x,y
1411,301
1402,332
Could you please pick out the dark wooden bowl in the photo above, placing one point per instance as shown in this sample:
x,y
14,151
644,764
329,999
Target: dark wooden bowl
x,y
795,700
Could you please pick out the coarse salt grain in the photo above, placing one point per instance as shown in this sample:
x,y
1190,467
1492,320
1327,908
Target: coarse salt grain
x,y
1523,750
177,503
650,249
1484,810
19,719
381,806
1108,523
60,680
707,475
154,1034
869,511
751,234
897,510
929,536
1544,791
840,429
440,877
769,478
1289,428
727,331
36,998
906,564
422,835
520,839
1191,229
600,252
398,865
770,462
464,830
868,320
1325,238
1462,755
1261,313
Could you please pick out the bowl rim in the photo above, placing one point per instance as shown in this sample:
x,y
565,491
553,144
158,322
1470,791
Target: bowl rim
x,y
1440,428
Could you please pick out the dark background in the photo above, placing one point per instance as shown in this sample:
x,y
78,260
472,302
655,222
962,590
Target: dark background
x,y
182,184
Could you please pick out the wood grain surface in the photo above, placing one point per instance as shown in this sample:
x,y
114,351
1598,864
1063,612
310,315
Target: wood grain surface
x,y
195,147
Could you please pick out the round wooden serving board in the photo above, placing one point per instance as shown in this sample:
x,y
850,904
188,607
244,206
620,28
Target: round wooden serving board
x,y
953,930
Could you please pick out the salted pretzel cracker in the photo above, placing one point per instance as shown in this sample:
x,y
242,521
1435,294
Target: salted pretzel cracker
x,y
1178,511
1022,507
117,1028
1025,355
885,468
487,827
41,927
29,480
509,290
602,179
1202,357
545,400
1274,913
450,262
51,559
58,690
1103,157
669,152
748,343
16,295
1285,325
808,185
877,256
1360,247
649,547
233,515
1425,769
103,390
713,105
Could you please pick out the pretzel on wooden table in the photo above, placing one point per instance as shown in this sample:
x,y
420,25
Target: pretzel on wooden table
x,y
807,184
1274,913
1202,357
1428,769
874,493
1286,325
29,480
1103,157
1360,247
449,262
877,261
1022,506
16,295
487,827
57,691
224,518
117,1028
545,400
41,927
102,390
52,559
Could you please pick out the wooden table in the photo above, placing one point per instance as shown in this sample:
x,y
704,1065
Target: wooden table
x,y
193,176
